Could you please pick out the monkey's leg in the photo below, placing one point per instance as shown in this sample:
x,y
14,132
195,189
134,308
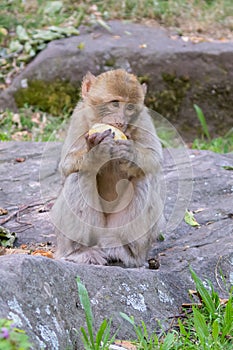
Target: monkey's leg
x,y
78,222
136,226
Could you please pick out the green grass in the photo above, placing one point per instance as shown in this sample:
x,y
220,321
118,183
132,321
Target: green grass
x,y
206,325
31,125
41,13
102,339
223,144
27,26
35,17
219,144
11,337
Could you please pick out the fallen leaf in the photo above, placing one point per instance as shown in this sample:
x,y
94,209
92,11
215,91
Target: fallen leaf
x,y
2,250
185,38
7,237
22,34
199,210
10,251
23,246
52,7
125,344
40,252
3,211
143,46
3,31
190,219
81,46
20,160
103,24
16,120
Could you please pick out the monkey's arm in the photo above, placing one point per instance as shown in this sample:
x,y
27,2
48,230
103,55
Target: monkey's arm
x,y
87,153
137,158
75,147
72,161
142,152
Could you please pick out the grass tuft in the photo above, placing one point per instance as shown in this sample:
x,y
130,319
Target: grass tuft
x,y
204,326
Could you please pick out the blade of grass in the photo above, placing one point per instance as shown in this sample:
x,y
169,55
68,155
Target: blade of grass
x,y
106,341
127,318
182,328
215,330
228,319
200,326
202,120
85,301
168,341
100,332
85,338
206,298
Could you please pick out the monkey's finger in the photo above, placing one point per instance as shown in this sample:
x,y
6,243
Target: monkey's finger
x,y
103,135
97,138
124,142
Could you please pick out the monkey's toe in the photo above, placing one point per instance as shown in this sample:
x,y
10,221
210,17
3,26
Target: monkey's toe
x,y
93,256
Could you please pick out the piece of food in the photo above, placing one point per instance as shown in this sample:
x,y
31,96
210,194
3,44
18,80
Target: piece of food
x,y
100,127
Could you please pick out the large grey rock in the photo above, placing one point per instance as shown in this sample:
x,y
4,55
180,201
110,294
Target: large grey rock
x,y
178,73
40,294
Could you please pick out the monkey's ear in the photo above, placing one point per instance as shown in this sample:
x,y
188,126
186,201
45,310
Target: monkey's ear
x,y
144,88
88,80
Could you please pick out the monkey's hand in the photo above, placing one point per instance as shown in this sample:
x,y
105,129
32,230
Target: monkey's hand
x,y
135,159
99,147
124,150
99,138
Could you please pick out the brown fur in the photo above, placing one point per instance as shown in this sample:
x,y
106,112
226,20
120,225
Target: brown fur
x,y
110,206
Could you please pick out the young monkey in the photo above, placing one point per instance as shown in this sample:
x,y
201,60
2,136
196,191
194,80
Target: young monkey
x,y
110,207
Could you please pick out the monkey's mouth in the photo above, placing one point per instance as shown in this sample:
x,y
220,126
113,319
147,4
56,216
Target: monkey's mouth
x,y
120,127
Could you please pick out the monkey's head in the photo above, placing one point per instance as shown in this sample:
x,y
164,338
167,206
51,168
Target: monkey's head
x,y
116,96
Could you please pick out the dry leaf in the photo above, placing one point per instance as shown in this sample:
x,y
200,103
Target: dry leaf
x,y
23,246
3,211
16,120
143,46
20,160
2,250
10,251
125,344
199,210
40,252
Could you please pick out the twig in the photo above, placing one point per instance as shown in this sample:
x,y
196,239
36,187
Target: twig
x,y
21,209
216,274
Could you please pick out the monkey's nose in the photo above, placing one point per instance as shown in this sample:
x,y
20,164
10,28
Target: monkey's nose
x,y
119,125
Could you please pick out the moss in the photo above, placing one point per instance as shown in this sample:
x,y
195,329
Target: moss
x,y
168,101
110,62
52,97
144,79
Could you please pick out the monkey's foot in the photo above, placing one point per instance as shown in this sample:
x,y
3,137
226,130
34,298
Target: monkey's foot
x,y
87,255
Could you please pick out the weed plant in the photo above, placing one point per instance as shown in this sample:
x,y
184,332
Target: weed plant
x,y
208,325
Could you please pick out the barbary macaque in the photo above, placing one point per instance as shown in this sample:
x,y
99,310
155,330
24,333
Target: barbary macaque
x,y
110,207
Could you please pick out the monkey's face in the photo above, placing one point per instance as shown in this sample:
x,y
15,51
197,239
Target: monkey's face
x,y
118,113
116,97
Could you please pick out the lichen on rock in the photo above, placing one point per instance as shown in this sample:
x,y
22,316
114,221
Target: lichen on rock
x,y
168,101
52,97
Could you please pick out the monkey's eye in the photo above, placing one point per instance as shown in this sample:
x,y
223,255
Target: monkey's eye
x,y
115,103
130,107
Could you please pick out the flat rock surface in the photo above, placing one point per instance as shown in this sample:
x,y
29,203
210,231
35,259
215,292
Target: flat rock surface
x,y
40,294
178,73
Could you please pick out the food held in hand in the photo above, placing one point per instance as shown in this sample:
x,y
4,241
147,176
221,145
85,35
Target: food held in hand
x,y
100,127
